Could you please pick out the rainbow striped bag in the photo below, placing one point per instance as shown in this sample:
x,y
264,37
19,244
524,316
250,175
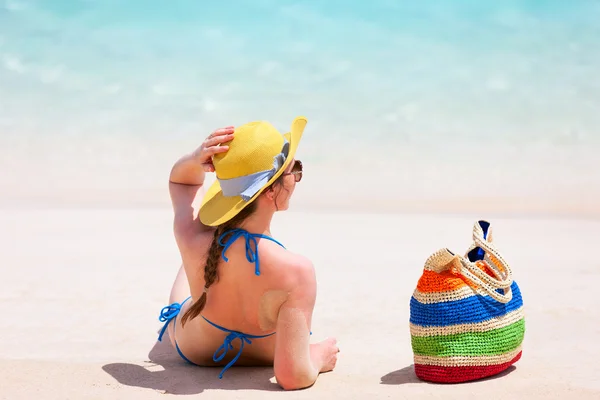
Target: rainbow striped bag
x,y
466,314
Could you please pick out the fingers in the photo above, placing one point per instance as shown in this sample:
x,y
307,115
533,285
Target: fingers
x,y
334,345
214,145
215,140
222,131
210,151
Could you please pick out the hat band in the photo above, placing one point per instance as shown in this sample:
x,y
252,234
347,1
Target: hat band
x,y
248,185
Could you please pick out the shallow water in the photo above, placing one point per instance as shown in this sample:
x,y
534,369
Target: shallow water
x,y
109,93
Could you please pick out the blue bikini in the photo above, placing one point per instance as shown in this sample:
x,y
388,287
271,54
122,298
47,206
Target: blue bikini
x,y
170,312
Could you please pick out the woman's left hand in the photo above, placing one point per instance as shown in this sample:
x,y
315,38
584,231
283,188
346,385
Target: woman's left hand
x,y
213,145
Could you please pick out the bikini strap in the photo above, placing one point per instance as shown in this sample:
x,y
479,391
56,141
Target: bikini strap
x,y
251,245
226,346
168,314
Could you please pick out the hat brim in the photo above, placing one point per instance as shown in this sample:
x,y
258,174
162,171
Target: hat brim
x,y
217,209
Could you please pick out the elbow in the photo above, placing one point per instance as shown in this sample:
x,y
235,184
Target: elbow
x,y
290,381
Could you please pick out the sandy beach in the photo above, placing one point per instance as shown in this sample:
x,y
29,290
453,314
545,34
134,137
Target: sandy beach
x,y
82,289
423,117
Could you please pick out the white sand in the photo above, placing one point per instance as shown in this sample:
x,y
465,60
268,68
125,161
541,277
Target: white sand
x,y
82,289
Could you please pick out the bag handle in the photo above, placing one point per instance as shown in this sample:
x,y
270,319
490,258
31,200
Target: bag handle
x,y
473,273
444,259
494,260
502,279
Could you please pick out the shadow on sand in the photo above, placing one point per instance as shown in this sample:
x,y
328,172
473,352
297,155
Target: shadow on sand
x,y
407,375
166,372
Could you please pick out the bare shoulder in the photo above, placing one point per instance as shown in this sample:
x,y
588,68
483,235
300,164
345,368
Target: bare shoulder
x,y
290,268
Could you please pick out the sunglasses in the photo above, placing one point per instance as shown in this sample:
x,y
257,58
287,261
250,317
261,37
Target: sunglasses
x,y
296,171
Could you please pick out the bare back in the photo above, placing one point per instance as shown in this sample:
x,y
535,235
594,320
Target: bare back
x,y
240,300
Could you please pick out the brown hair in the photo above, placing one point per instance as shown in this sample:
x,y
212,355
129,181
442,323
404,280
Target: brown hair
x,y
214,255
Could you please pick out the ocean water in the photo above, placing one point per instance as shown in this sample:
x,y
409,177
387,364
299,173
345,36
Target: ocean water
x,y
403,98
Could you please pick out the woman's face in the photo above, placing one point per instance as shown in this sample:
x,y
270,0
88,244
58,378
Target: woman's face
x,y
291,176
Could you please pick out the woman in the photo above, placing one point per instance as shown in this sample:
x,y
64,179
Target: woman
x,y
242,297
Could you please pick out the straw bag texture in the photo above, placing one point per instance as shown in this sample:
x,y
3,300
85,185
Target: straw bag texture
x,y
466,314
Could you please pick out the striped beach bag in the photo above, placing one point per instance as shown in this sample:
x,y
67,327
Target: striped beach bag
x,y
466,314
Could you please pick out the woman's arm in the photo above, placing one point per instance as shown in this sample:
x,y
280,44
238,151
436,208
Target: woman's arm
x,y
298,363
187,177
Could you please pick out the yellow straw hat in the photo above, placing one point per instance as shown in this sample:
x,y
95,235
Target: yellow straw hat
x,y
257,156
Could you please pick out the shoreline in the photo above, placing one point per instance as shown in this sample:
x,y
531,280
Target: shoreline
x,y
515,208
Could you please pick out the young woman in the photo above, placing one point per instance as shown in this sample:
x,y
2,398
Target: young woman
x,y
242,297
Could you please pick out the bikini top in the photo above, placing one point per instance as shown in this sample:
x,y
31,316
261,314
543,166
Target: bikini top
x,y
251,245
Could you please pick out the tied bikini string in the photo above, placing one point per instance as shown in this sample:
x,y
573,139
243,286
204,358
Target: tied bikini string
x,y
250,242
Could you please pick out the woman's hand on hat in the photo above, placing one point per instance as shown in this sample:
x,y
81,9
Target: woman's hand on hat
x,y
214,145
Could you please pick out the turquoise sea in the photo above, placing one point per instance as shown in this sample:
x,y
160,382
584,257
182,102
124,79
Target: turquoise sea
x,y
99,97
